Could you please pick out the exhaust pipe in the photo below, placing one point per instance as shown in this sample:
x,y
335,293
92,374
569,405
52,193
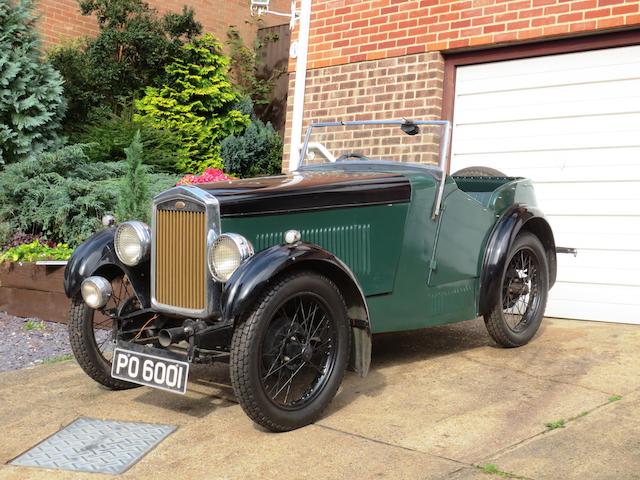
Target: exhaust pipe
x,y
169,336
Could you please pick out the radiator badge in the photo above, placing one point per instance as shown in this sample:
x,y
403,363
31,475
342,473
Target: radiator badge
x,y
180,204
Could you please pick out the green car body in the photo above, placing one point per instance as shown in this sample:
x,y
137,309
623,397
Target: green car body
x,y
415,271
291,273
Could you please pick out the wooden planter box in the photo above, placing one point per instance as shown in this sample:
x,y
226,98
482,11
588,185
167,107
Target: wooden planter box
x,y
30,290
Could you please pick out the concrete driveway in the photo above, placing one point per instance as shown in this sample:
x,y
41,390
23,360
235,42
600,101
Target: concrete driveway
x,y
438,403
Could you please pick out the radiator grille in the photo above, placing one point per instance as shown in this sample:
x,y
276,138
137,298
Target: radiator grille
x,y
180,259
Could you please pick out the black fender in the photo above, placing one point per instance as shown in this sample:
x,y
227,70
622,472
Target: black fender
x,y
97,256
259,271
518,218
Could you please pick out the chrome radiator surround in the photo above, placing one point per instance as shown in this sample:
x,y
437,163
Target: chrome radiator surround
x,y
189,194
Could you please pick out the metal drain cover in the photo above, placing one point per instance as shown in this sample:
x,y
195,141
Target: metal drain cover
x,y
100,446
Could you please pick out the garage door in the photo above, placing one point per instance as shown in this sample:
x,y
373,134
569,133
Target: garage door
x,y
571,123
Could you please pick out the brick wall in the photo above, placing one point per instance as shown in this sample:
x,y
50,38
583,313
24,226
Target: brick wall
x,y
347,31
217,15
409,86
61,21
347,35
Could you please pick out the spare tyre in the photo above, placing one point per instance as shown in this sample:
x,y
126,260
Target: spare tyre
x,y
479,172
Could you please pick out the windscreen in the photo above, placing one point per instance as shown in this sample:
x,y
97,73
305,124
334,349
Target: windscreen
x,y
397,142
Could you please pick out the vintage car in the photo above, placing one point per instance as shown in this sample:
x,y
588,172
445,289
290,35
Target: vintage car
x,y
287,277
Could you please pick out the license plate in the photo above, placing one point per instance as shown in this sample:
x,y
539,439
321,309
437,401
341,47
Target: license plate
x,y
150,370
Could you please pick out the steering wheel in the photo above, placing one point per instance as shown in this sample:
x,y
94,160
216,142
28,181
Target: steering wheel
x,y
347,155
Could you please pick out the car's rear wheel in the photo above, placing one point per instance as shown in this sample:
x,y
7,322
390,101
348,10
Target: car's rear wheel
x,y
91,335
288,356
520,304
479,172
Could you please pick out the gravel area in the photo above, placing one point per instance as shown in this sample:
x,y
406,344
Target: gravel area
x,y
25,342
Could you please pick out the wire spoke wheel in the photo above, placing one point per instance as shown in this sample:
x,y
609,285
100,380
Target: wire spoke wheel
x,y
122,300
298,352
521,299
91,332
520,289
289,354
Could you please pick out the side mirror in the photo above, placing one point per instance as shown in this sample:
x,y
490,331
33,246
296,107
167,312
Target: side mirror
x,y
410,128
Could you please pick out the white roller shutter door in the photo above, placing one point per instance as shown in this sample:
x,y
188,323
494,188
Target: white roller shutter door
x,y
571,123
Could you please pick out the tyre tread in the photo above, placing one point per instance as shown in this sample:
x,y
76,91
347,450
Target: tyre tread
x,y
83,353
495,327
240,343
494,320
479,171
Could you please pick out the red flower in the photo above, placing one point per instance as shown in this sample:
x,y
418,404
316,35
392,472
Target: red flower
x,y
208,176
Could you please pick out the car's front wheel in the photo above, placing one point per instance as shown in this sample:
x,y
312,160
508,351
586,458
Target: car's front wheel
x,y
520,304
91,335
288,356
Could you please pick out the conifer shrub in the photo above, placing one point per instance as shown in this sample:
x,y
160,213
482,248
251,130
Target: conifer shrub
x,y
197,104
62,195
257,151
59,194
133,194
31,94
107,134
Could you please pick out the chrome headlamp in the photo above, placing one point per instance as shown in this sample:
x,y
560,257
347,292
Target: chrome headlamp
x,y
132,242
226,254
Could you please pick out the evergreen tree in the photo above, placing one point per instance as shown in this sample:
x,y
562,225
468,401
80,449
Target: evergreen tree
x,y
198,103
63,194
257,151
58,194
130,52
133,198
31,93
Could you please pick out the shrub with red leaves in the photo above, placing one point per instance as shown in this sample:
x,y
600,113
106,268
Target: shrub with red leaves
x,y
20,238
208,176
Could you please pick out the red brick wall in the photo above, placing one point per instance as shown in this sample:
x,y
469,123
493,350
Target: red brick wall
x,y
347,35
408,86
217,15
61,20
347,31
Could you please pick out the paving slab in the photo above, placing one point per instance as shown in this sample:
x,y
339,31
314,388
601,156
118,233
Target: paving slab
x,y
604,444
595,355
435,403
471,473
37,402
448,404
214,438
626,409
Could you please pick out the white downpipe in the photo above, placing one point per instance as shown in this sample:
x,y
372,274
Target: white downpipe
x,y
301,81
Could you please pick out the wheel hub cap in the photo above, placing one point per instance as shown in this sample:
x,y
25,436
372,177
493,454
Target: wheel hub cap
x,y
307,353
